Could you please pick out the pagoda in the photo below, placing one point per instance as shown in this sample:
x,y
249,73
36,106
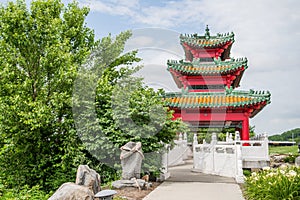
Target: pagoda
x,y
208,77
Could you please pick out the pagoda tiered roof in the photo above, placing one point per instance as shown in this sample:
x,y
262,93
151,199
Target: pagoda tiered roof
x,y
229,99
207,41
207,68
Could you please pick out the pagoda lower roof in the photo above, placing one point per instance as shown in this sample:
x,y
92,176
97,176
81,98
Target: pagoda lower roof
x,y
233,99
207,68
207,42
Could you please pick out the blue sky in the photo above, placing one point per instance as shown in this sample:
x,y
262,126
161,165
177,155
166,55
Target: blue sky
x,y
267,32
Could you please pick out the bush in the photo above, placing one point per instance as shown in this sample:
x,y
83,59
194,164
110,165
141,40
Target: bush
x,y
290,158
274,184
26,193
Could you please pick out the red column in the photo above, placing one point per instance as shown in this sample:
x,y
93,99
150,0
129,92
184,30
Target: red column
x,y
245,129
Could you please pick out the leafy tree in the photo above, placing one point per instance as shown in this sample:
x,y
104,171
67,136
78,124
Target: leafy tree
x,y
287,136
41,48
125,109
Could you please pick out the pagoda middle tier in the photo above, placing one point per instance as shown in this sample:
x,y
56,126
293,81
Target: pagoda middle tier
x,y
200,76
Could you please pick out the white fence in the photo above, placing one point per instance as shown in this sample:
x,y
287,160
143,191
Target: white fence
x,y
230,157
255,150
175,156
179,153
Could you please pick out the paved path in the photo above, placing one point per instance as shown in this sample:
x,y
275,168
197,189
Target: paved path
x,y
186,185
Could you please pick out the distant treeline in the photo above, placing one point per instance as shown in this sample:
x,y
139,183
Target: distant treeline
x,y
287,136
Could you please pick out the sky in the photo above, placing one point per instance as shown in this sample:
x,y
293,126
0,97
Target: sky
x,y
267,32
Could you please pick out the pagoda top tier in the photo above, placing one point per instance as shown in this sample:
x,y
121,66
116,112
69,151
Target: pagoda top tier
x,y
207,46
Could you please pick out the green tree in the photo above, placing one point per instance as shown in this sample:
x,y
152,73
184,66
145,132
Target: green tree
x,y
41,48
125,109
289,135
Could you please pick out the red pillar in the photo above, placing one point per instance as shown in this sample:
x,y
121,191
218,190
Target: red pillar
x,y
245,129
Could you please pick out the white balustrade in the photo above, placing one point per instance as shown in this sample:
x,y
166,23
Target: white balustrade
x,y
180,152
227,158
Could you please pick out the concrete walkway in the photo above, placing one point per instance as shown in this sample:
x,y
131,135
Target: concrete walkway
x,y
187,185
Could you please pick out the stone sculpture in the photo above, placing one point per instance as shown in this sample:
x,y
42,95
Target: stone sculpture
x,y
131,160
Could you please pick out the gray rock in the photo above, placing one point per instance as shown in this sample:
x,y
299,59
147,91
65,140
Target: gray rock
x,y
279,158
72,191
131,160
129,183
297,161
88,177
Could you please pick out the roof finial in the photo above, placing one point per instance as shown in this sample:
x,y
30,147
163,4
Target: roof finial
x,y
207,34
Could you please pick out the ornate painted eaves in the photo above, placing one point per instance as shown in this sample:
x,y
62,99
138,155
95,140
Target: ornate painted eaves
x,y
211,68
254,100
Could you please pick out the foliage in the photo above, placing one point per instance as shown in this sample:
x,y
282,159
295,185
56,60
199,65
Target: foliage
x,y
283,150
25,193
290,158
126,110
247,172
274,184
41,48
287,136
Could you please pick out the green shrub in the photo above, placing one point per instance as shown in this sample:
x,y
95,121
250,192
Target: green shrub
x,y
274,184
26,193
247,172
290,158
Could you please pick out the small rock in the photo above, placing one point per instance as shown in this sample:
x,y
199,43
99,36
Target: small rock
x,y
128,183
279,158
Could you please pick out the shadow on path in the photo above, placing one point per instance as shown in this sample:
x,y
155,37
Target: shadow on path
x,y
184,173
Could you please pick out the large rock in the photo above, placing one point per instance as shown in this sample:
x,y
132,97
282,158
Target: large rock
x,y
72,191
88,177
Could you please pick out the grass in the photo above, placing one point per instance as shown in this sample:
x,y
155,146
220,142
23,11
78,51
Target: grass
x,y
283,150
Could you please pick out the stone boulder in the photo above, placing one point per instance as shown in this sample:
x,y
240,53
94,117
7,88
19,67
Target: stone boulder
x,y
72,191
88,177
138,183
87,185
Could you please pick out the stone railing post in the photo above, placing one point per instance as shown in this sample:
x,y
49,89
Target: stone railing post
x,y
266,145
180,136
227,137
185,136
165,171
237,137
239,164
195,140
214,138
230,138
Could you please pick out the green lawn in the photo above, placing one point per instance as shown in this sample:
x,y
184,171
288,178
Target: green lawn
x,y
283,150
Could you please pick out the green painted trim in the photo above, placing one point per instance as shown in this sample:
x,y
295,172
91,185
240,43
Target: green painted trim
x,y
256,97
207,68
201,41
